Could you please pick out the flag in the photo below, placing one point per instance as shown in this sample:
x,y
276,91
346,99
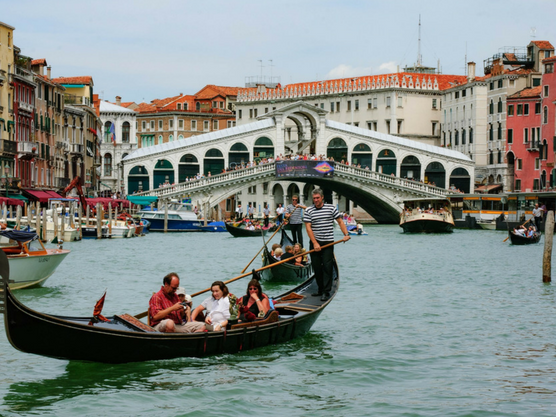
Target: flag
x,y
112,134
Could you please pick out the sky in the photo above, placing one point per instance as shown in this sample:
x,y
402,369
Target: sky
x,y
143,50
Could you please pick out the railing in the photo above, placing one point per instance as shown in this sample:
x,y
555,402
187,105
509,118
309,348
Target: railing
x,y
377,177
20,72
25,106
27,147
78,100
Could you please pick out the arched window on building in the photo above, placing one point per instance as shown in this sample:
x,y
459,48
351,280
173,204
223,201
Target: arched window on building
x,y
107,164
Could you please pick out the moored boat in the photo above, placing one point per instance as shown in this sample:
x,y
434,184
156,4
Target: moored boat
x,y
123,338
284,272
181,218
427,215
30,262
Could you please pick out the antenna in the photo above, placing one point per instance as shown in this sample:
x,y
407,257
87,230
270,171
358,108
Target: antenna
x,y
262,66
419,45
465,63
533,32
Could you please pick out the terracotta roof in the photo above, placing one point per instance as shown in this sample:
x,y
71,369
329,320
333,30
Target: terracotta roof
x,y
527,93
162,102
86,79
49,80
550,59
145,108
543,44
127,103
41,61
173,105
210,91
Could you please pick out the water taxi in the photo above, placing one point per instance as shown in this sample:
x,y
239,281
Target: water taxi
x,y
427,215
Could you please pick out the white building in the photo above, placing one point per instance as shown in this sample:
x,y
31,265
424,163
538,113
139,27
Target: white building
x,y
119,138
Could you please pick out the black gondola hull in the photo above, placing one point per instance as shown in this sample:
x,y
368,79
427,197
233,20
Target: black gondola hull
x,y
284,272
242,232
522,240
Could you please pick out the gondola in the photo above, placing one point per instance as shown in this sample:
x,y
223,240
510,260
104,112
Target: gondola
x,y
522,240
243,232
284,272
125,339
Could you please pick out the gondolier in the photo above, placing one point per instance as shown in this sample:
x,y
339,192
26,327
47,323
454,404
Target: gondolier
x,y
537,213
295,219
319,221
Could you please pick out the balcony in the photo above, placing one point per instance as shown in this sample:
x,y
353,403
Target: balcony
x,y
25,106
97,161
533,146
27,147
77,148
76,100
8,146
24,74
61,182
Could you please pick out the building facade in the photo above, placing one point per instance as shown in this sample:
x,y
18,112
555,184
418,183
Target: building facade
x,y
8,146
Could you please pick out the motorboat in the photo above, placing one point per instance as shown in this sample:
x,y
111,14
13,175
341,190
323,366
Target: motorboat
x,y
427,215
180,218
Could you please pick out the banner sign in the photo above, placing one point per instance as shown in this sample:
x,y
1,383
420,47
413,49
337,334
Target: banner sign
x,y
304,169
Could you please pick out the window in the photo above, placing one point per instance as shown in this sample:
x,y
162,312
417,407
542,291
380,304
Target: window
x,y
499,159
491,158
180,124
400,101
511,110
545,91
160,125
266,110
433,128
349,105
107,165
499,83
321,106
537,163
125,132
179,106
387,101
388,126
337,106
369,104
206,126
215,125
517,185
549,68
526,109
171,123
536,82
239,114
193,125
463,93
370,127
456,94
356,105
332,107
463,139
491,86
519,163
490,132
456,138
375,103
256,112
356,124
231,123
491,107
536,184
499,105
143,125
499,135
510,136
214,104
250,113
537,108
519,109
152,124
434,103
545,115
525,135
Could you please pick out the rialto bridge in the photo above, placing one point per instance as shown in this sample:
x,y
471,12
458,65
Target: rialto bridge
x,y
391,168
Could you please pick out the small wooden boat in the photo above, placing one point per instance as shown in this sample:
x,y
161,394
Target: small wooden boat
x,y
487,224
522,240
284,272
427,215
30,262
240,231
356,231
123,338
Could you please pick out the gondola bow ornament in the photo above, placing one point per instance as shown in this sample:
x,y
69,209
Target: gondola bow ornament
x,y
97,317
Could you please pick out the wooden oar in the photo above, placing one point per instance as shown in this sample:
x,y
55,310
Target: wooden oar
x,y
265,243
144,314
519,226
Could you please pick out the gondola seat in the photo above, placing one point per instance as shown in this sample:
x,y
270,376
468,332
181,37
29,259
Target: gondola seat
x,y
270,317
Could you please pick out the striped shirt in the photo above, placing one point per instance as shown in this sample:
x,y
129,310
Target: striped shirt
x,y
296,217
322,221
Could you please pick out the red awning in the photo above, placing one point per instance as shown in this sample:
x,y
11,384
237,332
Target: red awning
x,y
53,194
11,201
37,195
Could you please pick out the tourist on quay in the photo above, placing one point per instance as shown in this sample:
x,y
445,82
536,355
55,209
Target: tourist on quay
x,y
319,222
294,214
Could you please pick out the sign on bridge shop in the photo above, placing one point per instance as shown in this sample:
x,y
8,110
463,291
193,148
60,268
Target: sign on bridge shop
x,y
298,169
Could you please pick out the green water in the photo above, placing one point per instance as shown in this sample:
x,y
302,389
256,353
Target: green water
x,y
437,325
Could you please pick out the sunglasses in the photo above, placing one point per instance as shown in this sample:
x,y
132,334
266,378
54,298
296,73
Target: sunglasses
x,y
253,288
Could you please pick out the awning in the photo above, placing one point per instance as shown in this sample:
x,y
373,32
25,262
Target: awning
x,y
53,194
142,200
487,188
18,197
11,202
37,195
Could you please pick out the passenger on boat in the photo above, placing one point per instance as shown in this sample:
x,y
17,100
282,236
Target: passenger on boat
x,y
186,301
274,247
165,309
289,254
531,232
217,305
278,253
521,231
255,303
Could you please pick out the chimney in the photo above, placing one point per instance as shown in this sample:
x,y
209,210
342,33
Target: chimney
x,y
470,71
118,100
48,74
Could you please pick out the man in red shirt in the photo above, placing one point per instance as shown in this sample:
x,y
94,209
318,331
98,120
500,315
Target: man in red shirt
x,y
166,311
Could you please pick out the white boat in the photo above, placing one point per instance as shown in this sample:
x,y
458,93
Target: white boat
x,y
119,229
69,234
427,215
487,224
30,262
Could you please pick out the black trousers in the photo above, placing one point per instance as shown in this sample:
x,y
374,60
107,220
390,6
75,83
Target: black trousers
x,y
538,222
323,263
265,221
297,233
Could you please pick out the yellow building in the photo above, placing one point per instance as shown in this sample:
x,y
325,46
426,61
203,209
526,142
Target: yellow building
x,y
6,91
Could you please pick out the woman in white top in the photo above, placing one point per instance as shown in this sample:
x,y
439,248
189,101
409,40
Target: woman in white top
x,y
217,305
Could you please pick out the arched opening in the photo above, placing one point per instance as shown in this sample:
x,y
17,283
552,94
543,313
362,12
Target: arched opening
x,y
238,154
510,157
107,164
107,132
362,155
278,193
293,189
543,180
411,168
435,174
386,162
337,149
213,162
460,180
163,173
138,180
263,148
188,167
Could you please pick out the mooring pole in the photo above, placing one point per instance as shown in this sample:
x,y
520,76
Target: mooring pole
x,y
547,257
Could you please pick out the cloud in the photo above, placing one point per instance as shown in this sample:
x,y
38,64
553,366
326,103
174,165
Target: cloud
x,y
346,71
387,67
